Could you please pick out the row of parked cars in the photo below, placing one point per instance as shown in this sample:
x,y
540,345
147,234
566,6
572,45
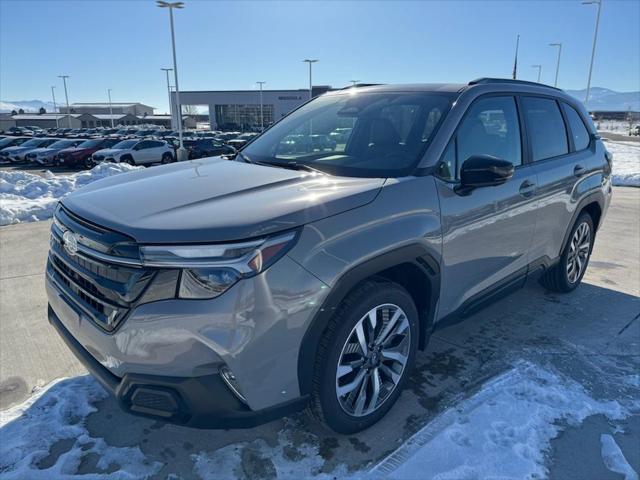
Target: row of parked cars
x,y
84,148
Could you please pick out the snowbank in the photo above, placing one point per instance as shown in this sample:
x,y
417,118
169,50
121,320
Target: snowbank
x,y
502,431
54,414
25,197
626,162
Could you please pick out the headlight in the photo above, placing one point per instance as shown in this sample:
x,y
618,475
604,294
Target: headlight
x,y
210,270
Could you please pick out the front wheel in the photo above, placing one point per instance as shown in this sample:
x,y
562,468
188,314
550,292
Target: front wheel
x,y
167,158
567,274
365,357
89,163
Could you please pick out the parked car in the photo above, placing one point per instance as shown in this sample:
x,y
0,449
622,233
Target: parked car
x,y
228,293
137,152
18,153
9,142
207,148
47,155
81,155
19,131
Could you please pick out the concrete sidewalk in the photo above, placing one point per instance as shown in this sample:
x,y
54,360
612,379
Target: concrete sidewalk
x,y
585,335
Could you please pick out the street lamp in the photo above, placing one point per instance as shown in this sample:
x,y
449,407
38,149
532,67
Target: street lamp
x,y
182,153
539,67
354,82
310,62
559,45
593,50
261,115
167,70
66,96
53,94
110,109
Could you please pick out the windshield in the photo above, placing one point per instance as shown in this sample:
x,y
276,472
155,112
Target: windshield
x,y
90,143
6,141
375,134
62,144
124,144
33,143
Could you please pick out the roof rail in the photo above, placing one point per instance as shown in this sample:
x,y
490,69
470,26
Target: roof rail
x,y
479,81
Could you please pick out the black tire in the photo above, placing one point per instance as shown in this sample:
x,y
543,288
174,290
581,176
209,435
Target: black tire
x,y
128,159
325,405
89,163
167,158
557,278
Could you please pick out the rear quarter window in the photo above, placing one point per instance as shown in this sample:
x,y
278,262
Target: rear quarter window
x,y
579,132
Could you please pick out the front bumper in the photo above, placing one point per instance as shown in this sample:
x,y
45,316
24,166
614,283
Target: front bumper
x,y
202,402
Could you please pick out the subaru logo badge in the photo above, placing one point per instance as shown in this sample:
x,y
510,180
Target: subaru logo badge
x,y
70,243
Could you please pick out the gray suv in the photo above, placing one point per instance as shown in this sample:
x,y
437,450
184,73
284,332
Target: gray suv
x,y
228,292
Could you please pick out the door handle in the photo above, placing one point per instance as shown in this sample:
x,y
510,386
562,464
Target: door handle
x,y
527,188
579,170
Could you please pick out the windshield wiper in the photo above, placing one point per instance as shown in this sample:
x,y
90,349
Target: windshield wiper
x,y
292,166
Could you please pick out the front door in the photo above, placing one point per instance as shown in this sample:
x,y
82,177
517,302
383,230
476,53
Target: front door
x,y
486,232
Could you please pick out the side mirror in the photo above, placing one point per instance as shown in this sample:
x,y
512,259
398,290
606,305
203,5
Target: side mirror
x,y
484,171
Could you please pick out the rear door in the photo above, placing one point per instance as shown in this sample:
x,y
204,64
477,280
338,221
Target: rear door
x,y
561,150
486,232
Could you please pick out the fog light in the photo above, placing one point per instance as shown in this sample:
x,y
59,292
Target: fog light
x,y
230,379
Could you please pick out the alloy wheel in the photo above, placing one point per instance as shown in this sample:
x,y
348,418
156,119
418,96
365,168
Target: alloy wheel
x,y
373,360
578,252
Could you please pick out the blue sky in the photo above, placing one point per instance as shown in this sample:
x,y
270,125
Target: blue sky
x,y
229,45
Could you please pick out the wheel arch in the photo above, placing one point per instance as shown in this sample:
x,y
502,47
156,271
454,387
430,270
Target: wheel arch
x,y
592,204
413,267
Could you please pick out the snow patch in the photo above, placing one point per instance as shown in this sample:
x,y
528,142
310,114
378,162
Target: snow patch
x,y
25,197
285,461
626,162
30,430
614,459
503,431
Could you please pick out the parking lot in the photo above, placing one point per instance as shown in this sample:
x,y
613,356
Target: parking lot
x,y
590,338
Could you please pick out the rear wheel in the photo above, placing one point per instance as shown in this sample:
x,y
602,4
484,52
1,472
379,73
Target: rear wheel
x,y
365,356
567,274
167,158
89,162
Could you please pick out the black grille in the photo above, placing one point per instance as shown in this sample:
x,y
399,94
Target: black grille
x,y
104,291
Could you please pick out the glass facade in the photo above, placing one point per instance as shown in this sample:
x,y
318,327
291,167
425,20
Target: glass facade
x,y
243,116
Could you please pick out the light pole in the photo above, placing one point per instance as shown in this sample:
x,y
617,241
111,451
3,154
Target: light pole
x,y
593,50
310,62
110,109
167,70
539,67
559,45
354,82
53,94
66,96
182,153
261,115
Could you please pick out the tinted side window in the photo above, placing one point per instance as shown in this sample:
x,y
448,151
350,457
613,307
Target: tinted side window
x,y
580,134
490,127
546,128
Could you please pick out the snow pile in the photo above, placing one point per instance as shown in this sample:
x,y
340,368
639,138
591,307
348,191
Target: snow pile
x,y
25,197
626,162
29,431
502,431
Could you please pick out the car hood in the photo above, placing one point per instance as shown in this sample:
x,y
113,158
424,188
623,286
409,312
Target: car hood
x,y
16,149
214,200
110,151
74,150
43,150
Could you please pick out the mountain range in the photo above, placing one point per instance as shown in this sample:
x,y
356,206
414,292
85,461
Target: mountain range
x,y
601,99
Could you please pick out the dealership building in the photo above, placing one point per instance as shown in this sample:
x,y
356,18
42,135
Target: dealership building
x,y
240,109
